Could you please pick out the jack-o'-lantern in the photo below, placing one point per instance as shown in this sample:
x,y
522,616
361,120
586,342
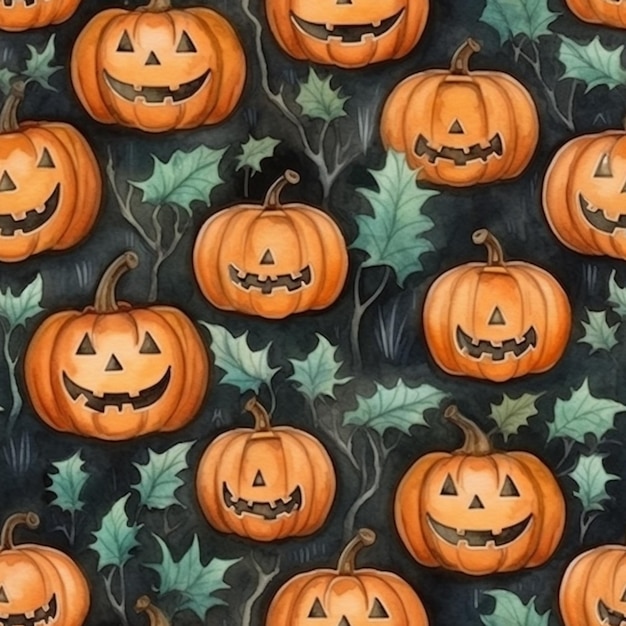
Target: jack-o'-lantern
x,y
158,68
584,191
272,259
477,510
115,371
496,320
459,127
347,596
347,33
267,482
607,12
16,15
39,584
50,184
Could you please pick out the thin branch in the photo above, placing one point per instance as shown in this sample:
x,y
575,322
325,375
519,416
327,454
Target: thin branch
x,y
263,580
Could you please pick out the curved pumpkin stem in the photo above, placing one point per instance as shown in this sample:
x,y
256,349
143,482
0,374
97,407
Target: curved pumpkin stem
x,y
460,60
105,301
476,442
157,6
261,416
8,114
494,249
154,613
347,560
18,519
272,198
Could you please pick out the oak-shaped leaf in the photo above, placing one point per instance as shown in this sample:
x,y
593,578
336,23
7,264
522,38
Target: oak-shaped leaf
x,y
598,334
591,478
319,99
254,151
18,308
518,17
513,413
511,611
617,296
39,66
68,481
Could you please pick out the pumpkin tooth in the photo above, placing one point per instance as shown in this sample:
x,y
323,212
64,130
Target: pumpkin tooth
x,y
377,23
330,27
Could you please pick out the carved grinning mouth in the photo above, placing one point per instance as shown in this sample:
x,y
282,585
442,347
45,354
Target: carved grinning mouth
x,y
156,95
266,510
497,352
595,216
142,400
267,285
480,538
33,219
609,616
460,156
355,33
42,614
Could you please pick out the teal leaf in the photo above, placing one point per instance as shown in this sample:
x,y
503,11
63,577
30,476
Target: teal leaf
x,y
17,309
393,236
617,296
511,611
598,334
39,66
68,482
513,413
519,17
319,100
591,478
159,478
254,151
399,407
6,79
186,177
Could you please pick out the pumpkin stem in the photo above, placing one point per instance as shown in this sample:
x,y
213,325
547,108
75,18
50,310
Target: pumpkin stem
x,y
105,301
460,60
476,442
158,6
8,114
18,519
347,560
261,416
494,249
155,615
272,198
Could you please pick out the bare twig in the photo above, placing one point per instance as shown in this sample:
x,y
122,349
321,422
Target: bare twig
x,y
263,580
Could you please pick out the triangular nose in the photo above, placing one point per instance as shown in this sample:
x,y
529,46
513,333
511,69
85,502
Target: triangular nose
x,y
344,621
267,259
113,365
3,595
152,59
497,319
476,503
259,481
6,184
456,128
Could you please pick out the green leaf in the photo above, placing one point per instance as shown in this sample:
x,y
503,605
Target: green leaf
x,y
591,478
583,413
159,476
243,367
18,309
617,296
316,375
195,584
68,482
39,66
6,79
254,151
116,537
186,177
393,235
319,100
593,64
399,407
598,334
513,413
519,17
511,611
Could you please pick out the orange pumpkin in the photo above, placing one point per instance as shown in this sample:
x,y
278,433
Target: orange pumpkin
x,y
50,184
158,68
583,194
272,259
351,33
477,510
460,127
347,596
266,482
607,12
496,320
18,15
39,584
114,371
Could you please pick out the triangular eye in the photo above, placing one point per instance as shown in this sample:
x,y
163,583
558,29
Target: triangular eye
x,y
509,490
125,45
46,159
267,259
497,319
149,346
3,595
259,481
378,610
185,44
448,488
604,167
317,610
624,596
86,347
456,128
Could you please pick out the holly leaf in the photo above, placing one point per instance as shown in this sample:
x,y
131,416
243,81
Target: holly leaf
x,y
593,64
399,407
511,611
39,66
186,177
591,478
159,478
617,296
518,17
393,235
583,413
17,309
319,100
68,482
598,334
116,538
6,79
243,367
194,584
513,413
254,151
